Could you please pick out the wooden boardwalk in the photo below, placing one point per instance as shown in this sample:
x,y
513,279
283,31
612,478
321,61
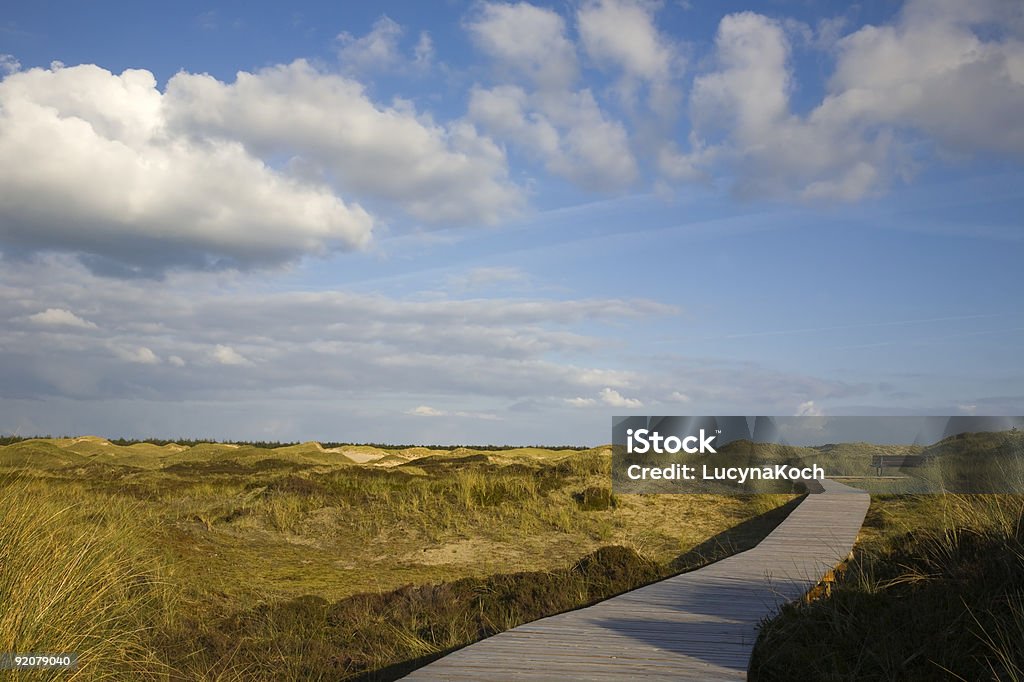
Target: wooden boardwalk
x,y
696,626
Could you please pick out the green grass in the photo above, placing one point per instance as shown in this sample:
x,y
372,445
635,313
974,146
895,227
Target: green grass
x,y
935,590
211,562
77,576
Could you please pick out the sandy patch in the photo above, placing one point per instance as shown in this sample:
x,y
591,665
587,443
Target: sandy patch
x,y
361,457
469,551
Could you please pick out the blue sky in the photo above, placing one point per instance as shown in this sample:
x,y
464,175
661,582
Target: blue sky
x,y
505,223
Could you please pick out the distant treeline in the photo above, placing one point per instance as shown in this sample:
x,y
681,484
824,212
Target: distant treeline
x,y
271,444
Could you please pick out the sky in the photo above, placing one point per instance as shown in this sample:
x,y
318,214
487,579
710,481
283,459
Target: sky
x,y
485,222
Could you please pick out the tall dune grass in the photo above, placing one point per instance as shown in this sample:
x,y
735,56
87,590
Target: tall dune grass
x,y
938,597
76,577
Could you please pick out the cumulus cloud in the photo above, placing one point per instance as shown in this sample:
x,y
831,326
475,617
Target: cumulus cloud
x,y
947,71
378,49
381,49
437,174
952,70
606,396
87,164
567,131
226,355
537,107
610,396
139,355
774,152
109,166
528,40
292,160
8,64
59,317
623,35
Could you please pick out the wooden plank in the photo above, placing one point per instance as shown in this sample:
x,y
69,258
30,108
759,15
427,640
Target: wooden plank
x,y
700,625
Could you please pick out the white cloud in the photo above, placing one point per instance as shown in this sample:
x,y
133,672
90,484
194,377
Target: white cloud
x,y
505,111
109,166
613,398
437,174
504,349
528,40
427,411
678,397
59,317
88,164
175,361
595,150
226,355
953,72
139,355
606,396
563,127
746,100
362,354
623,34
8,64
777,152
568,131
377,50
684,166
598,377
809,409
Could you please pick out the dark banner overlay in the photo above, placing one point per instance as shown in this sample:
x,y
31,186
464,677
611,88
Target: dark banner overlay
x,y
900,455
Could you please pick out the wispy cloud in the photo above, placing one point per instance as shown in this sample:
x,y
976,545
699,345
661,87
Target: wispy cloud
x,y
427,411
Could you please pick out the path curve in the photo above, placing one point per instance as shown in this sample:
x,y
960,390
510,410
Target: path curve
x,y
700,625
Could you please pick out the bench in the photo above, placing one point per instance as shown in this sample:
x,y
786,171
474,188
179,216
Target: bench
x,y
880,462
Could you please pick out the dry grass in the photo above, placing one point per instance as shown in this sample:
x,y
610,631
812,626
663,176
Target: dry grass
x,y
184,564
935,590
77,576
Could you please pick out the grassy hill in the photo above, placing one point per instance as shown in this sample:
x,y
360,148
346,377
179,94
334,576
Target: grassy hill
x,y
243,562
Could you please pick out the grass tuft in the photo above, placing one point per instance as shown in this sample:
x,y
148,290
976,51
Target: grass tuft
x,y
942,601
79,577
